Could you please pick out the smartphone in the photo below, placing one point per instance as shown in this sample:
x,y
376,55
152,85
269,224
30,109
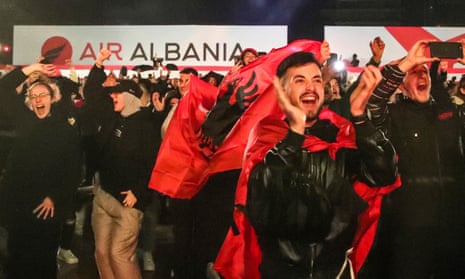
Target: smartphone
x,y
446,49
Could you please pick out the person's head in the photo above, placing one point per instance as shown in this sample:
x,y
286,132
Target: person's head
x,y
126,96
184,79
417,84
40,96
301,78
335,88
328,93
213,78
248,55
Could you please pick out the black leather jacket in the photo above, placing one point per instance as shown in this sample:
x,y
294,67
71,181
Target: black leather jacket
x,y
302,204
429,140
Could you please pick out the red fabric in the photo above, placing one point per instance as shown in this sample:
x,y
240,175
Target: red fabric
x,y
181,169
180,166
240,254
368,220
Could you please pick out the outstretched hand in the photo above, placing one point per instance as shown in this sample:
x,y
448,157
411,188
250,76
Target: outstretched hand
x,y
130,200
295,115
47,69
45,210
416,56
370,78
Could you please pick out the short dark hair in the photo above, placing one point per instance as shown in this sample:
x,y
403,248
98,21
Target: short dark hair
x,y
296,59
189,70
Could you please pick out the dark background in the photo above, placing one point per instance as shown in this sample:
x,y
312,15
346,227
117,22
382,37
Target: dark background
x,y
305,18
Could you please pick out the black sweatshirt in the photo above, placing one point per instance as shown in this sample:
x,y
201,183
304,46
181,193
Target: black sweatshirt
x,y
45,157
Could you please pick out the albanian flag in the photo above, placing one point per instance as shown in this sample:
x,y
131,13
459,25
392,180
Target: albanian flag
x,y
195,146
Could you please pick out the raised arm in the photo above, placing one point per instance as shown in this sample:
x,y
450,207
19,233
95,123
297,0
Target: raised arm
x,y
375,152
12,103
393,75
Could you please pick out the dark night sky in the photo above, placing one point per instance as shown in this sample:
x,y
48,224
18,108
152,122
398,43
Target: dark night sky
x,y
300,15
304,18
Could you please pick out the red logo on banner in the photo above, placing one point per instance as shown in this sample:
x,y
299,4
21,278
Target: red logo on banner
x,y
57,50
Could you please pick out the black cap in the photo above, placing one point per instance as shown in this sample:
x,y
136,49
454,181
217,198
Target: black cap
x,y
125,85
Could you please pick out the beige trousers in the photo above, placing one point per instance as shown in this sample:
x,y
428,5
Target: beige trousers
x,y
116,229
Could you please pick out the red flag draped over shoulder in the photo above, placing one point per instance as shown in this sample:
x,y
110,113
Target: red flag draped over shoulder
x,y
181,168
240,255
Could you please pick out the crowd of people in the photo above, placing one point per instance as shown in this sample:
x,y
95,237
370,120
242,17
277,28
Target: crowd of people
x,y
280,169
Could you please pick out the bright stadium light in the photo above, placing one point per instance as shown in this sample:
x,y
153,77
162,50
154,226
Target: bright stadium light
x,y
339,65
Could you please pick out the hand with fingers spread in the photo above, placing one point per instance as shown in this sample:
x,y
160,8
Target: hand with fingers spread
x,y
46,69
130,200
45,210
294,114
416,56
237,66
370,78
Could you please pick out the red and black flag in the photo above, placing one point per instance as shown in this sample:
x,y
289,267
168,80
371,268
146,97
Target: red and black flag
x,y
196,146
240,255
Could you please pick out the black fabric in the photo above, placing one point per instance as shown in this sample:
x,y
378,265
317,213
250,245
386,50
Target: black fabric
x,y
228,109
44,162
201,224
302,204
127,145
423,222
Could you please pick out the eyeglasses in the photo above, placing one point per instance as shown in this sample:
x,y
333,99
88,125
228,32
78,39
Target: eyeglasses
x,y
40,95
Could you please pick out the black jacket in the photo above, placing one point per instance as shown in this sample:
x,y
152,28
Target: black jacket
x,y
429,140
302,204
127,145
44,160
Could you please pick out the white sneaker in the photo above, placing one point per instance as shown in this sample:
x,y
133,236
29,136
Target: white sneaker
x,y
147,260
67,256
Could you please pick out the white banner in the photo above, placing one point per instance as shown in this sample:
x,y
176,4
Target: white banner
x,y
188,45
347,40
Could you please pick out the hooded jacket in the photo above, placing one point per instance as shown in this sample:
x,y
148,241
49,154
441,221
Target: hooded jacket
x,y
127,144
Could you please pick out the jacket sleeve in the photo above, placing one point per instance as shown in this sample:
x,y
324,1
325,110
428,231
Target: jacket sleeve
x,y
378,103
439,90
12,103
376,156
98,104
